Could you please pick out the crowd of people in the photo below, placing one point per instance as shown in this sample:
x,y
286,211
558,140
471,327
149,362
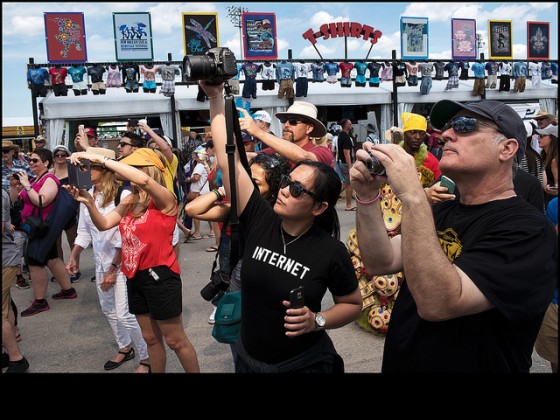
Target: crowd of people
x,y
461,280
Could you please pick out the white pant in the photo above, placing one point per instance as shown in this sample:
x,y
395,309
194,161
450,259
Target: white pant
x,y
114,304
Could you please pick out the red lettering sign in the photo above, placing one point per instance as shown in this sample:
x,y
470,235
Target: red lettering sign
x,y
343,29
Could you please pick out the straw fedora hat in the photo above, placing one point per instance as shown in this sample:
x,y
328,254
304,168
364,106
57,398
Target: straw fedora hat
x,y
307,112
102,152
8,144
389,132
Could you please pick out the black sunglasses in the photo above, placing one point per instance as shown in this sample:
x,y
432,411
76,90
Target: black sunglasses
x,y
34,160
61,155
269,161
465,125
122,144
291,121
6,150
295,187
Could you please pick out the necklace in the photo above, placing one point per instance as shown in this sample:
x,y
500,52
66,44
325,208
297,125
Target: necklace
x,y
293,240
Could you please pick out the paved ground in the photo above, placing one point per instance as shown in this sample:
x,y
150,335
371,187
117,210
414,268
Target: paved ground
x,y
74,336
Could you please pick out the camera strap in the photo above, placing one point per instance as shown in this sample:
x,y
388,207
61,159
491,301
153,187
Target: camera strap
x,y
233,127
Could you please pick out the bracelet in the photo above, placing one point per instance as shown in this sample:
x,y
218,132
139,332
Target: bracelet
x,y
28,188
367,203
218,195
114,265
213,97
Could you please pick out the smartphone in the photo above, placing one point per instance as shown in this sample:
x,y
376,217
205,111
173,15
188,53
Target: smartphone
x,y
79,176
446,182
297,298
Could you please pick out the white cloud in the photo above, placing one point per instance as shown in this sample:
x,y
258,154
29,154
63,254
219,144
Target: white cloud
x,y
24,26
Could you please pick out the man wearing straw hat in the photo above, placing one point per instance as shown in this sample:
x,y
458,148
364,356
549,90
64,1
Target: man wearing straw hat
x,y
299,125
12,164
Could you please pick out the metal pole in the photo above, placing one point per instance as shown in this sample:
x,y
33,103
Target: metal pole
x,y
174,139
34,104
395,98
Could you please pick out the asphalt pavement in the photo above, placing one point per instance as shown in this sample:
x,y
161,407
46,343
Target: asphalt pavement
x,y
74,335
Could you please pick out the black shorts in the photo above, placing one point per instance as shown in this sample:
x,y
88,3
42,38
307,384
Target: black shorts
x,y
53,253
39,90
162,298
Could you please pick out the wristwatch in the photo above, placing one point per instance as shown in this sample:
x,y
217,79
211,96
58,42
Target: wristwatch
x,y
319,321
28,188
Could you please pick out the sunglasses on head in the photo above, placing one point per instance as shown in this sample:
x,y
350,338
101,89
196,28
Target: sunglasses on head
x,y
465,125
295,187
123,143
269,161
291,121
34,160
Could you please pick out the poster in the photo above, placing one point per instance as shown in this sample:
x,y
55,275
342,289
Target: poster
x,y
259,36
65,34
414,38
463,39
538,40
133,36
200,32
499,40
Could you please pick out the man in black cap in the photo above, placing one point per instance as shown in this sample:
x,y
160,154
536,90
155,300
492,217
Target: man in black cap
x,y
481,270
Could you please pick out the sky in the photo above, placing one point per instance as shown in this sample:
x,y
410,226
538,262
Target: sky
x,y
23,31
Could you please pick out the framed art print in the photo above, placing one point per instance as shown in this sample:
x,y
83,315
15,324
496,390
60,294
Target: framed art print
x,y
463,39
65,34
414,38
499,40
538,40
259,36
200,32
133,36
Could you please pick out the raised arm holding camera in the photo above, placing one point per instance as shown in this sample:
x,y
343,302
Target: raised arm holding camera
x,y
281,254
480,271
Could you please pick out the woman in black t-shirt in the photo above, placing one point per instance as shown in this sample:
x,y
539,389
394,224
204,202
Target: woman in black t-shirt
x,y
293,244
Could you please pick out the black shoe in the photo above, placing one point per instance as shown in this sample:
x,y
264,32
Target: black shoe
x,y
21,366
53,279
5,360
128,355
75,277
36,308
65,294
22,283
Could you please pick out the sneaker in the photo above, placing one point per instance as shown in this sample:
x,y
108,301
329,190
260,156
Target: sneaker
x,y
22,283
65,294
35,308
92,279
53,279
75,277
21,366
212,319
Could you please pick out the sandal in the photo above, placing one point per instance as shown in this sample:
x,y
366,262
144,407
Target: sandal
x,y
213,248
196,237
147,365
128,355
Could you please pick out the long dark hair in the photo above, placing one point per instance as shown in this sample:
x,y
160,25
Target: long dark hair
x,y
552,151
274,167
327,187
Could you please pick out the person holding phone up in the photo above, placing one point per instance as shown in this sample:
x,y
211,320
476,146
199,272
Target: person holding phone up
x,y
293,244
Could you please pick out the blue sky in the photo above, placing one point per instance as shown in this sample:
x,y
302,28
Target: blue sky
x,y
23,33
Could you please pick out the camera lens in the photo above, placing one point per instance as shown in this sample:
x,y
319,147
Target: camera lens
x,y
199,67
208,292
374,166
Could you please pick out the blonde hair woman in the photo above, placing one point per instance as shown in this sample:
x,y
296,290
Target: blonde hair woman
x,y
148,261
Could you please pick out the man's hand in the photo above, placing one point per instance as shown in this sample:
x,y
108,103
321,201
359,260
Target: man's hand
x,y
247,123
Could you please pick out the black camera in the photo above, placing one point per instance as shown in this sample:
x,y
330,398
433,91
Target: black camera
x,y
15,175
216,66
219,282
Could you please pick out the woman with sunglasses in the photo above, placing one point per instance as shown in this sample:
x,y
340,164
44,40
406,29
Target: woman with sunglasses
x,y
60,170
293,244
45,185
148,260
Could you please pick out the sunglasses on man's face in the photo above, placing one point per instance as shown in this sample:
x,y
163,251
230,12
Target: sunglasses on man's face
x,y
122,144
6,150
296,188
291,121
465,125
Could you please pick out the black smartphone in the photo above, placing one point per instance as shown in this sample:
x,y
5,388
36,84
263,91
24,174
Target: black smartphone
x,y
79,175
297,298
446,182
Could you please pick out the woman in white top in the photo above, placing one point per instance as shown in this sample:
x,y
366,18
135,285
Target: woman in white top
x,y
110,281
199,184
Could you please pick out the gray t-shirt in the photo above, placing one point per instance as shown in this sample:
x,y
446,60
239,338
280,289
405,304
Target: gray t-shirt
x,y
11,255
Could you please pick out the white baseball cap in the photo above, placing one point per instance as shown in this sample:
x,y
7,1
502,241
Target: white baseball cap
x,y
263,116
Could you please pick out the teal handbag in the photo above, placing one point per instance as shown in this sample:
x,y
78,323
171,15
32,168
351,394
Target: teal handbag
x,y
228,318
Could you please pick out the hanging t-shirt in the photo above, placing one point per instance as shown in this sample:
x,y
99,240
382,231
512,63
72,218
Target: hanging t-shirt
x,y
58,75
318,71
77,73
439,70
37,76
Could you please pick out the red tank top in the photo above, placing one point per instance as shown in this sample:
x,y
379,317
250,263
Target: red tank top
x,y
146,241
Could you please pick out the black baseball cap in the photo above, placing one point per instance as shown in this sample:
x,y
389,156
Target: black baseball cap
x,y
132,122
504,116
